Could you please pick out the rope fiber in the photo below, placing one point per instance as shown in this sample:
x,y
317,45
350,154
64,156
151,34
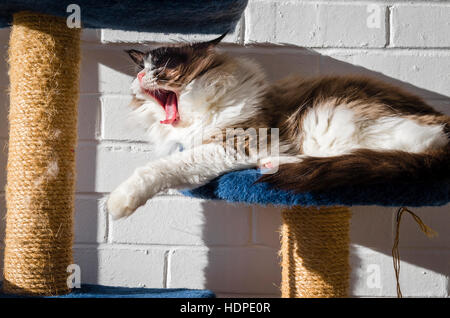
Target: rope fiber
x,y
315,252
44,59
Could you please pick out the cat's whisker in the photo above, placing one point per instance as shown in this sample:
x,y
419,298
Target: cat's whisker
x,y
170,81
165,65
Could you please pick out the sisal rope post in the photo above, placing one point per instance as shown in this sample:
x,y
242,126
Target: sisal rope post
x,y
44,58
315,252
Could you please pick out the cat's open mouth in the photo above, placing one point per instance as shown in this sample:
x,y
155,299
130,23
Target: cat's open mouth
x,y
169,101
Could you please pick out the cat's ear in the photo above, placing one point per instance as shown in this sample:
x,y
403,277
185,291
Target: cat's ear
x,y
138,57
211,44
217,40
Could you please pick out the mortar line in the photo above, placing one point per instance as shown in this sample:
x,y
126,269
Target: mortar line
x,y
388,26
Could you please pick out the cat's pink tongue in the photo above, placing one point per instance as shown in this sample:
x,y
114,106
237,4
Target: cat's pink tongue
x,y
171,109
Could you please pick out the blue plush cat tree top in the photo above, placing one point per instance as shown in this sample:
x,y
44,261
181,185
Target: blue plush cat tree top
x,y
165,16
241,186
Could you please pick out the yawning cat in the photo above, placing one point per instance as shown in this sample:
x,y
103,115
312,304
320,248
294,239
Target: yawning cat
x,y
333,131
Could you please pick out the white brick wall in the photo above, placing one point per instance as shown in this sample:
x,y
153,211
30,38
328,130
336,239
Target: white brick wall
x,y
182,242
301,23
420,25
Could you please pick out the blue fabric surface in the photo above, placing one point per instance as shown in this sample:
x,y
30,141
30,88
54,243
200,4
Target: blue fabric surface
x,y
239,186
181,16
98,291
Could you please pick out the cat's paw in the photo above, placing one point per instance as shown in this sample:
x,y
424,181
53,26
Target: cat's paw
x,y
270,165
120,204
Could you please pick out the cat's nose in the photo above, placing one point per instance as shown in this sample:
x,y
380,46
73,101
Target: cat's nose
x,y
140,76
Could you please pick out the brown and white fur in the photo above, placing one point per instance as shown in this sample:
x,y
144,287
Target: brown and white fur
x,y
334,131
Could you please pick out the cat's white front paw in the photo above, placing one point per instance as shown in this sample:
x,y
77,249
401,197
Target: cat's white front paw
x,y
121,204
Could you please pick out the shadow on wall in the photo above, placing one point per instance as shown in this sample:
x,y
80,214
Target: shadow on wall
x,y
90,222
245,261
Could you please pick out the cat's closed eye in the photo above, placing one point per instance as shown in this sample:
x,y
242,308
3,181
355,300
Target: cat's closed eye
x,y
168,59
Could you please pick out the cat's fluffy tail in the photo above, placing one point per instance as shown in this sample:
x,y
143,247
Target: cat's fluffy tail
x,y
361,167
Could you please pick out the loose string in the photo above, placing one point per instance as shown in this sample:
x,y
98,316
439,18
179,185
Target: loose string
x,y
395,251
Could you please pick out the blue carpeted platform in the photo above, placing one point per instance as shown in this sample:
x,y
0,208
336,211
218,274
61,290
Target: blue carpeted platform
x,y
239,186
97,291
166,16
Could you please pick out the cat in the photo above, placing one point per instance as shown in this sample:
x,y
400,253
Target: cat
x,y
332,130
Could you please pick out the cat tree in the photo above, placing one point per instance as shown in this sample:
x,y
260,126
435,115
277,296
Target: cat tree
x,y
44,59
44,69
